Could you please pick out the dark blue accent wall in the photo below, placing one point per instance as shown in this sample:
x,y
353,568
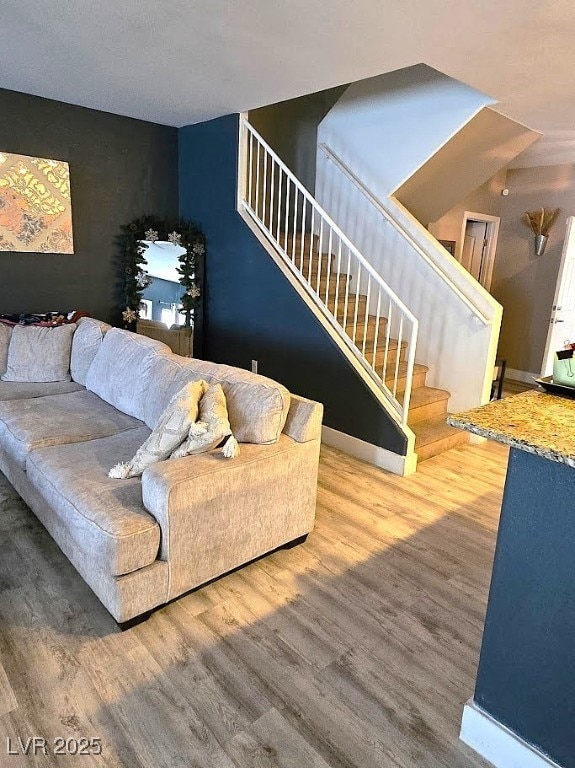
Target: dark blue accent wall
x,y
526,677
252,312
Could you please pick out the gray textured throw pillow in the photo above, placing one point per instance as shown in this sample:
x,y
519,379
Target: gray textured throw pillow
x,y
38,354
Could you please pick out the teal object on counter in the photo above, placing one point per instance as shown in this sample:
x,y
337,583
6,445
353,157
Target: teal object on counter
x,y
564,368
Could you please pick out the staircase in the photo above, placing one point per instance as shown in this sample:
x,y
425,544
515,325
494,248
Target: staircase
x,y
427,411
365,317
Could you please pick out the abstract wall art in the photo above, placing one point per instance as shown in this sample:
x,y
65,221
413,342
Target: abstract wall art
x,y
35,205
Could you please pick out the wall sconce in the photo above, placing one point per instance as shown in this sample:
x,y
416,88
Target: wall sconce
x,y
540,222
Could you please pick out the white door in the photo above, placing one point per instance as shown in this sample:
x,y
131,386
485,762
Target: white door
x,y
475,248
478,245
562,319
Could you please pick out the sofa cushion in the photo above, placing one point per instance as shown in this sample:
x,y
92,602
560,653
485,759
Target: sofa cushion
x,y
19,390
56,420
87,340
257,406
37,354
5,333
120,372
105,518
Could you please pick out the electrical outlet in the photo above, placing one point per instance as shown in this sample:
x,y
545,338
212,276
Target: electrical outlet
x,y
254,366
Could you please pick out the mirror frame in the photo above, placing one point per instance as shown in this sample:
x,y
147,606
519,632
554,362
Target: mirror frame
x,y
190,267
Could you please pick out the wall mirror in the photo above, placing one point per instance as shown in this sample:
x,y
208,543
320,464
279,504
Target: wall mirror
x,y
161,298
162,271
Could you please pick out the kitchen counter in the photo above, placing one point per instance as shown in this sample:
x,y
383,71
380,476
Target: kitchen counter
x,y
523,707
535,422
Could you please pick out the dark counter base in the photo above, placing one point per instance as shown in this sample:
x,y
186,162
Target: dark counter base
x,y
526,677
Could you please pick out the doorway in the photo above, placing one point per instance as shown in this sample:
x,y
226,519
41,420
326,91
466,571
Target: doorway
x,y
561,330
478,244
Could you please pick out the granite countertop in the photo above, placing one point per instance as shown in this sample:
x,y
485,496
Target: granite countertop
x,y
533,421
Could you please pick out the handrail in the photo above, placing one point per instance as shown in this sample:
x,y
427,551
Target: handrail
x,y
329,221
326,262
357,182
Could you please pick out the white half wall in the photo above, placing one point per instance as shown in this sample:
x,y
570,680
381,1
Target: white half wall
x,y
458,348
382,130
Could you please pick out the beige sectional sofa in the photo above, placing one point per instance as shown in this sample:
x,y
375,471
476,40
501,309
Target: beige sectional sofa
x,y
139,543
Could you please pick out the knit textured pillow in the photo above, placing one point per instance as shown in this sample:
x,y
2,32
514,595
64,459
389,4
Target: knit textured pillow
x,y
172,428
211,428
39,354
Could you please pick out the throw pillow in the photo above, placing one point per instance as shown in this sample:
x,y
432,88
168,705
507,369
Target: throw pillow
x,y
171,429
38,354
211,428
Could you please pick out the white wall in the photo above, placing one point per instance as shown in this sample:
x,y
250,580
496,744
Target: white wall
x,y
485,199
383,129
386,127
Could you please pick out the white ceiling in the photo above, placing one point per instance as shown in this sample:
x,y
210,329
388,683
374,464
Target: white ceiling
x,y
183,61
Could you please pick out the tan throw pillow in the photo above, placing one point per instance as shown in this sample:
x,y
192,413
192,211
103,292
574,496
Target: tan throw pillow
x,y
211,427
38,354
172,428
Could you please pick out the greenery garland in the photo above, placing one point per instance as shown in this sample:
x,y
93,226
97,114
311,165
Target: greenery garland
x,y
136,278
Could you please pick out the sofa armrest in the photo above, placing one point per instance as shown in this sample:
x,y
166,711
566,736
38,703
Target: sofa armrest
x,y
304,419
216,513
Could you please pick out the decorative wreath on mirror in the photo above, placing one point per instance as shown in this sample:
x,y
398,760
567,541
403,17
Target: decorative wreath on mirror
x,y
137,279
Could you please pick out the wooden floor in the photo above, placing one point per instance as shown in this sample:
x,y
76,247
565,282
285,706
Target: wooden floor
x,y
512,387
356,650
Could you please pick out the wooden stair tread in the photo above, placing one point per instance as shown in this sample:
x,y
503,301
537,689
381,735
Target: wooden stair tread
x,y
435,436
381,349
431,430
426,395
366,329
428,405
402,372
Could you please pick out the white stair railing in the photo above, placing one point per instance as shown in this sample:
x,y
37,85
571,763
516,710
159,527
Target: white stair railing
x,y
377,328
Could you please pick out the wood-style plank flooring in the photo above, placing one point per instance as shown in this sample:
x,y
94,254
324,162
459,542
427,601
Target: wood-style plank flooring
x,y
356,650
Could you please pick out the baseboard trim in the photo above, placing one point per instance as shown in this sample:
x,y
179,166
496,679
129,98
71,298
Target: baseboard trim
x,y
372,454
497,743
526,377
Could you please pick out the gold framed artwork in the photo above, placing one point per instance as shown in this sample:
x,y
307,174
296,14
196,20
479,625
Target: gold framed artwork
x,y
35,205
